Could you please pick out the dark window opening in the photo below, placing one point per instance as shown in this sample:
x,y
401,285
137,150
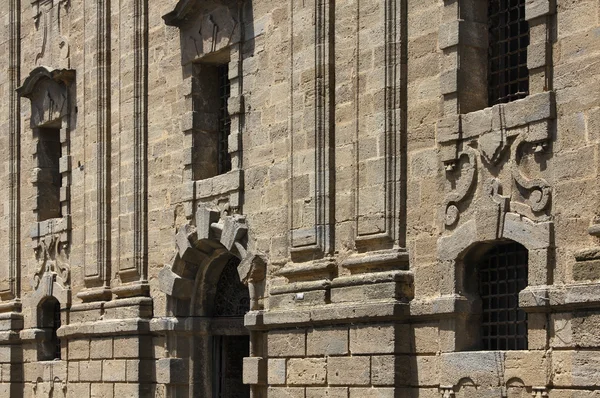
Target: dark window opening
x,y
49,180
212,123
49,322
502,275
232,297
508,76
224,119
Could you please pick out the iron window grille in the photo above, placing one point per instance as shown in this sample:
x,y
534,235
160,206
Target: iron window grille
x,y
502,275
232,297
224,160
508,76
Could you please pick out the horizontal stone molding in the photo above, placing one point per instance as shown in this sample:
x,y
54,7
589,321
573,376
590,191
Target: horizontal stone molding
x,y
560,298
343,313
396,258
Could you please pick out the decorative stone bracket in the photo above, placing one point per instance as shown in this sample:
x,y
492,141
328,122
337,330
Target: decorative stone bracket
x,y
518,125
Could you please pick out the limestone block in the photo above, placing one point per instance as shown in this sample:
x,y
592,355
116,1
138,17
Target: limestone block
x,y
80,390
234,229
531,367
114,370
100,390
324,342
306,371
286,343
538,8
276,371
79,349
332,392
254,370
90,371
376,339
101,348
285,392
171,371
378,392
349,371
383,370
173,285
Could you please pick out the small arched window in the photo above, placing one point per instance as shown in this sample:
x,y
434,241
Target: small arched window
x,y
49,322
502,275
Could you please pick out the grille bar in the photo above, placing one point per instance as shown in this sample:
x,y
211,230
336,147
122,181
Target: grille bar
x,y
508,75
502,275
224,120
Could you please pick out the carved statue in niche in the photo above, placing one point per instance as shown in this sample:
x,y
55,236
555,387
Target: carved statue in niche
x,y
51,42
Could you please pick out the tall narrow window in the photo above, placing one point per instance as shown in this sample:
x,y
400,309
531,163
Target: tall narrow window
x,y
508,76
49,321
49,179
502,275
212,123
224,119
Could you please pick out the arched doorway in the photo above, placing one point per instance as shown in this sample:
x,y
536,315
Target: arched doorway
x,y
231,303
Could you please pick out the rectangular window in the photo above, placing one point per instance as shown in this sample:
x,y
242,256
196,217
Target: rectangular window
x,y
212,123
508,76
224,119
49,179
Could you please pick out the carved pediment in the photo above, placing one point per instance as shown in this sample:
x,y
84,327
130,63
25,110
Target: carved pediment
x,y
205,26
48,91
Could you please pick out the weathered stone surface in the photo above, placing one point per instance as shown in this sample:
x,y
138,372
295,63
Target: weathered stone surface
x,y
353,169
306,371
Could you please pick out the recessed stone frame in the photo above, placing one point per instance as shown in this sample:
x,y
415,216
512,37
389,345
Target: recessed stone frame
x,y
211,34
190,281
457,307
50,92
463,39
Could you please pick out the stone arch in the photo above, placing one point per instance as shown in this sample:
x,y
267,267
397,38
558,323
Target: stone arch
x,y
205,249
455,250
536,237
201,250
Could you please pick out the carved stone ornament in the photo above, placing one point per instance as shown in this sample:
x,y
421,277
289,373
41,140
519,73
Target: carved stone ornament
x,y
52,259
539,190
52,43
466,174
48,91
204,30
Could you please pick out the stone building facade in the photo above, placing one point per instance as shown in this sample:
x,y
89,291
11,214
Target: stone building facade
x,y
300,198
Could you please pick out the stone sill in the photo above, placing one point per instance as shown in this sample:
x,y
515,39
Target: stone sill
x,y
568,297
531,109
50,226
219,185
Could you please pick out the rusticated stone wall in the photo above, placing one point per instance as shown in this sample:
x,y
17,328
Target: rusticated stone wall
x,y
367,176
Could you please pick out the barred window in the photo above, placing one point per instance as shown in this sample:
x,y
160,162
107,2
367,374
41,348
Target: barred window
x,y
224,119
502,275
508,76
